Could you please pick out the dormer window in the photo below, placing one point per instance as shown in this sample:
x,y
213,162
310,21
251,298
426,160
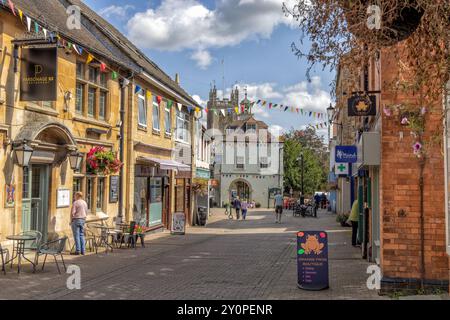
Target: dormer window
x,y
250,127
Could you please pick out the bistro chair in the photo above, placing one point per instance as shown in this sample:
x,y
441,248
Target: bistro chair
x,y
4,252
90,239
130,236
54,248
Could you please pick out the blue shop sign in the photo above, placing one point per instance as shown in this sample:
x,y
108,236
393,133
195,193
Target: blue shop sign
x,y
346,154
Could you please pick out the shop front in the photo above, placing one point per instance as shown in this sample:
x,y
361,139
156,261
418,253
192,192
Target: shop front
x,y
183,180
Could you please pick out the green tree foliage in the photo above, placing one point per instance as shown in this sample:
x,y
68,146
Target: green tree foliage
x,y
316,157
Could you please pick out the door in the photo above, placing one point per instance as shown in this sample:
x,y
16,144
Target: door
x,y
376,217
35,199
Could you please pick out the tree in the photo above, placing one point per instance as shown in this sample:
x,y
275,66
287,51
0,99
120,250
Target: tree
x,y
315,156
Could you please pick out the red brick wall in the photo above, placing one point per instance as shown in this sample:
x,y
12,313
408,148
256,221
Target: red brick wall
x,y
399,181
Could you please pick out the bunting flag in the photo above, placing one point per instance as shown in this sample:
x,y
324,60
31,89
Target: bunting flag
x,y
264,103
270,105
137,89
11,6
90,58
259,101
236,109
158,99
149,95
36,27
223,112
102,67
76,49
169,104
189,109
20,14
180,106
114,75
285,109
45,36
198,110
28,23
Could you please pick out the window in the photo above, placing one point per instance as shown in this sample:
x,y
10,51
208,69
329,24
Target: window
x,y
93,74
80,70
79,98
167,121
103,79
142,111
91,102
100,193
102,105
240,162
89,192
156,125
182,126
77,186
263,163
250,128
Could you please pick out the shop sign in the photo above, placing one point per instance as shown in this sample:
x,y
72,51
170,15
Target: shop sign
x,y
312,260
342,169
114,189
202,173
178,223
346,154
38,76
362,106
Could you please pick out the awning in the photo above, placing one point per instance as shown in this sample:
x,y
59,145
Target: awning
x,y
165,164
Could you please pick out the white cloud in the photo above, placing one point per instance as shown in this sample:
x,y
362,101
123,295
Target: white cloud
x,y
276,130
118,12
308,96
199,100
188,24
203,58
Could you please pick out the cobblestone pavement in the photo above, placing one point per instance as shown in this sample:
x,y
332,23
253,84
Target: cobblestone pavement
x,y
228,259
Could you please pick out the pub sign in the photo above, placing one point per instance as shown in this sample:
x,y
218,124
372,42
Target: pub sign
x,y
38,76
362,106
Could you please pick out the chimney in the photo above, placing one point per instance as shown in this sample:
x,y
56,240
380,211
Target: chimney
x,y
177,78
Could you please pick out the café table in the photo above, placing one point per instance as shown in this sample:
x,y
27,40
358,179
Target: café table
x,y
19,250
105,233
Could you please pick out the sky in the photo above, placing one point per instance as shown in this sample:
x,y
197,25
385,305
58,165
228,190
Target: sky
x,y
247,42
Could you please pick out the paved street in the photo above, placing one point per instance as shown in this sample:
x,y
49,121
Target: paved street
x,y
253,259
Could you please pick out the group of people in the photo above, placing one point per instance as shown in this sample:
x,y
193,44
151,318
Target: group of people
x,y
321,200
240,207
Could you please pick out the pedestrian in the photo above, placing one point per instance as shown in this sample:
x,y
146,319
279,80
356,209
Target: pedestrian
x,y
78,219
244,208
237,207
354,218
324,200
278,207
228,209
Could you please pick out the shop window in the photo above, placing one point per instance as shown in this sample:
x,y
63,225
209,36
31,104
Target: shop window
x,y
93,75
104,79
156,203
89,192
140,199
142,109
80,70
100,193
156,118
182,126
167,121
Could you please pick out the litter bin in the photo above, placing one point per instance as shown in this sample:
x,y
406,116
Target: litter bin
x,y
202,215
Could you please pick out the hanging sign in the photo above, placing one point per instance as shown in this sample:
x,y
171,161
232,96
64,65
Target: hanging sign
x,y
38,76
346,154
312,260
342,169
362,106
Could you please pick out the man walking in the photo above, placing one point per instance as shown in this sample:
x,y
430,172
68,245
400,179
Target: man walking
x,y
278,207
354,218
237,206
78,219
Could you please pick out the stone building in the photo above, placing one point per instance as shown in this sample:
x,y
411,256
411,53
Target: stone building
x,y
109,95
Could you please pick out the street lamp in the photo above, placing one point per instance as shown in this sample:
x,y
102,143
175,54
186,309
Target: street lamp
x,y
75,159
23,154
330,113
302,165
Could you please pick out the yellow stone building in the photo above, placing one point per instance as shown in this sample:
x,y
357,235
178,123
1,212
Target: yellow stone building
x,y
109,94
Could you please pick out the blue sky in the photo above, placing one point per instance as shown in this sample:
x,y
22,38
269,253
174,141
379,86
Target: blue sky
x,y
252,37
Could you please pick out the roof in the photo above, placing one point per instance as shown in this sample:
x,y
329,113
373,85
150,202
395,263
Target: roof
x,y
99,36
250,120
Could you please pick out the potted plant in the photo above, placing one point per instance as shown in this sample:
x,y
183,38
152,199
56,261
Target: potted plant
x,y
342,219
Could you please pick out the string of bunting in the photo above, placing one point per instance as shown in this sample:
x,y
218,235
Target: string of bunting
x,y
50,35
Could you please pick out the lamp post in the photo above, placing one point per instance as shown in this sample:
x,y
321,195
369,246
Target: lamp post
x,y
302,165
23,154
330,114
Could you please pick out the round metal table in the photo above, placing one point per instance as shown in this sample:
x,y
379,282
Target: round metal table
x,y
19,250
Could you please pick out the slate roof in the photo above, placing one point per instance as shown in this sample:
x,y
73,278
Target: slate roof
x,y
98,36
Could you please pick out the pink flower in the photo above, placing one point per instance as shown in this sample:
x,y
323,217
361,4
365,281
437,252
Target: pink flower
x,y
417,147
423,110
405,121
387,111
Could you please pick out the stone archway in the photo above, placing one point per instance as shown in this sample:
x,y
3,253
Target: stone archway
x,y
241,188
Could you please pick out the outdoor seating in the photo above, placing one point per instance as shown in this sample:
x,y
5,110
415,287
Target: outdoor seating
x,y
4,252
90,239
30,245
129,237
54,248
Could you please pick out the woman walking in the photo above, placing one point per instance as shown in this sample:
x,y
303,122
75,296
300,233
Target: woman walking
x,y
244,207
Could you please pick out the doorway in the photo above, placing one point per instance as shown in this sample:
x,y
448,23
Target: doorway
x,y
35,191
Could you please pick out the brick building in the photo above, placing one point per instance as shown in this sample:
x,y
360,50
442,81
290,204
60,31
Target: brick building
x,y
397,221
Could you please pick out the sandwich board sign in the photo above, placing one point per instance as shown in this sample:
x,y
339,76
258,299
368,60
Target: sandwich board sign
x,y
178,223
312,260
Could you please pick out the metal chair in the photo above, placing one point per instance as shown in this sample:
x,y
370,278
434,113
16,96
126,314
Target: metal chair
x,y
90,239
129,237
4,252
53,248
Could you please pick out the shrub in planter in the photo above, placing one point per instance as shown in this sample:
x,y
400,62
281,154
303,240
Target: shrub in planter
x,y
258,205
342,219
101,161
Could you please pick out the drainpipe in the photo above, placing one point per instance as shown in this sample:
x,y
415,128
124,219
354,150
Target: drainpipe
x,y
422,225
121,146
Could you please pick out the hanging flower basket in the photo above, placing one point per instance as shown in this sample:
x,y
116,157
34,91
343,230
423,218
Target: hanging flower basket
x,y
102,162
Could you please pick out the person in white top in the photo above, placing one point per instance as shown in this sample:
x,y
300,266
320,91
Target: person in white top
x,y
78,219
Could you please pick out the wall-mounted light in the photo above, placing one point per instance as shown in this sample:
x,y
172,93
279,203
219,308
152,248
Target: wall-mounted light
x,y
75,159
23,154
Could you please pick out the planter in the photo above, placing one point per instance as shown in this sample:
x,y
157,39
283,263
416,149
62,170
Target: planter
x,y
103,162
395,27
